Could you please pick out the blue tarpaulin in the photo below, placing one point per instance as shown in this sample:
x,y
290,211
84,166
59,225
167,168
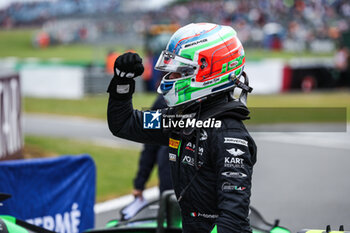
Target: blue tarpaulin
x,y
54,193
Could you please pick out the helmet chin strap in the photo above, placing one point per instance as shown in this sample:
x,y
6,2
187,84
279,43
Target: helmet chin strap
x,y
243,85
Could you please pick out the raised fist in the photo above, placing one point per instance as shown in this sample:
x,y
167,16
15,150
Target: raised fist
x,y
128,65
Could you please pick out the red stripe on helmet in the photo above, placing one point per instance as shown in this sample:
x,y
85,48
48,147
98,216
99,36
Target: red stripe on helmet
x,y
216,57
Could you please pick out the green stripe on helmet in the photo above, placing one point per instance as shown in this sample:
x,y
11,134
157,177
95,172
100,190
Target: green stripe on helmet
x,y
185,90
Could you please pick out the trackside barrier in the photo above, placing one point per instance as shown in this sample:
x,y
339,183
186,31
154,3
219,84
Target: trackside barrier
x,y
267,76
10,116
55,193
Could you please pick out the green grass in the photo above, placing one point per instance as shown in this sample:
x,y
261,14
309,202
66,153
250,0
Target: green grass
x,y
92,106
299,107
18,43
259,54
95,106
116,168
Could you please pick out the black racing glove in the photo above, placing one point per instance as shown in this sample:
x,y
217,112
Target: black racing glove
x,y
126,67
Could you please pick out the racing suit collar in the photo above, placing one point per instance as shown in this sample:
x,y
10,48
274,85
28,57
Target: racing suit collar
x,y
221,105
215,107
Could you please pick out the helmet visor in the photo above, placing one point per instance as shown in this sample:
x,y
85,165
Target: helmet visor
x,y
170,62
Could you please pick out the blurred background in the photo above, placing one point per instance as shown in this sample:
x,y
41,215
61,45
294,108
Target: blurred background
x,y
56,61
310,38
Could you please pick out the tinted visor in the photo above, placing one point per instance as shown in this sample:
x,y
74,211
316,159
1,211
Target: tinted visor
x,y
170,62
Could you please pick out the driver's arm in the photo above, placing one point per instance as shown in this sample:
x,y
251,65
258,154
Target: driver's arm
x,y
234,155
123,120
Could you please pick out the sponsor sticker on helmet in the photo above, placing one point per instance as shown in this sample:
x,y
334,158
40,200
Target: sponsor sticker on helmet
x,y
215,80
195,43
232,64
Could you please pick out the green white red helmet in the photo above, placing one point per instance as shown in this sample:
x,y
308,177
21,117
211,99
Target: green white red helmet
x,y
206,56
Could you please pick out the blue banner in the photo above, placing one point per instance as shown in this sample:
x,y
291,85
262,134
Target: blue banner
x,y
55,193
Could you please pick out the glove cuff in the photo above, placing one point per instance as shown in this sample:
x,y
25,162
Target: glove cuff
x,y
121,88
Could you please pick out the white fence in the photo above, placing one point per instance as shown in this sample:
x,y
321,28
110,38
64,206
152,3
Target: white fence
x,y
73,82
265,76
53,81
10,116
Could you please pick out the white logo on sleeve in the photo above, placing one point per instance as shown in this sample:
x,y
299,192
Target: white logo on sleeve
x,y
236,141
234,162
190,161
123,89
172,157
235,151
234,174
204,135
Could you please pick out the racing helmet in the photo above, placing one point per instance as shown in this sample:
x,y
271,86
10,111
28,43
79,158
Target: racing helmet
x,y
207,58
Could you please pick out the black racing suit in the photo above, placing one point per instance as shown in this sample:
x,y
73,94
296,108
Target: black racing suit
x,y
214,186
151,155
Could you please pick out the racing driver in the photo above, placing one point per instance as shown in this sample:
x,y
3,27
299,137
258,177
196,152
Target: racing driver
x,y
211,166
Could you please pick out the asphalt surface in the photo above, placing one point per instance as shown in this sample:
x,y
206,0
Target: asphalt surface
x,y
303,179
78,128
300,178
